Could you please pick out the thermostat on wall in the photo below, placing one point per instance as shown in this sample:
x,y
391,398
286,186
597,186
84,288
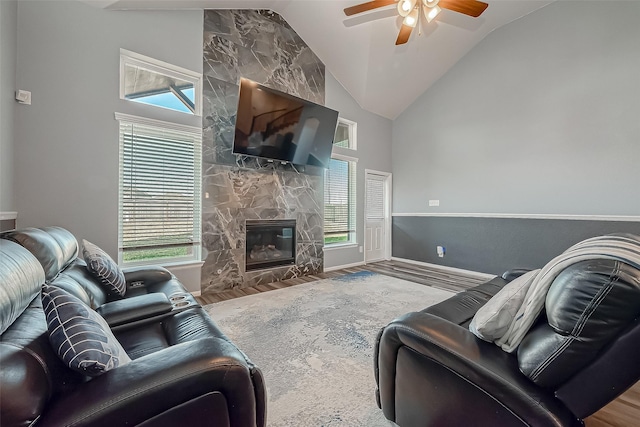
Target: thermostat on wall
x,y
23,97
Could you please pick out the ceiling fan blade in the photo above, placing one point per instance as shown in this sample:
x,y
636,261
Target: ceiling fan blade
x,y
468,7
370,5
404,34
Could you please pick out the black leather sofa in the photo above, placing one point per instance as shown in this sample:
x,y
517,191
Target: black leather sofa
x,y
582,353
184,370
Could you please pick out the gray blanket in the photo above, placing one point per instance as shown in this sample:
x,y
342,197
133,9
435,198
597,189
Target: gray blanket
x,y
621,247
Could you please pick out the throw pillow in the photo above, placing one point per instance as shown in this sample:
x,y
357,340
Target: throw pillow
x,y
79,335
100,264
493,319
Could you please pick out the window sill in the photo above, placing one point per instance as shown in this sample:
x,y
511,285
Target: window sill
x,y
184,264
176,264
340,246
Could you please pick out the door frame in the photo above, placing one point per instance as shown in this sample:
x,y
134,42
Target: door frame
x,y
388,183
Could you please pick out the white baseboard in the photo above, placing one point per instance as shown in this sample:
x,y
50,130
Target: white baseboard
x,y
340,267
443,267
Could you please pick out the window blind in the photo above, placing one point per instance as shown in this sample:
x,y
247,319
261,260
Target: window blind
x,y
339,198
159,189
375,199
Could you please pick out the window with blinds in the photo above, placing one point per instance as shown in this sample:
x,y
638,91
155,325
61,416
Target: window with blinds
x,y
340,202
159,198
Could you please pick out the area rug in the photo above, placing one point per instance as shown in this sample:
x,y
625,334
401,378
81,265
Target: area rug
x,y
314,343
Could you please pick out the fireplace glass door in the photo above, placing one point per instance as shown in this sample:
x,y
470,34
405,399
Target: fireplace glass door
x,y
270,243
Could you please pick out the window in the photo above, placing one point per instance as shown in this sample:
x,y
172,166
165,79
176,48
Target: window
x,y
159,197
345,134
339,201
340,188
153,82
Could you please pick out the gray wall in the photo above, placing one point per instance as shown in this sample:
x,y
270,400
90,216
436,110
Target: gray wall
x,y
540,117
66,168
8,45
374,152
494,245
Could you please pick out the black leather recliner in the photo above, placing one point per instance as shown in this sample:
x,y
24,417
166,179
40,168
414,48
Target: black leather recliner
x,y
582,353
184,370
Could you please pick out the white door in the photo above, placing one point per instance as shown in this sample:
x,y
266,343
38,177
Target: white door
x,y
376,216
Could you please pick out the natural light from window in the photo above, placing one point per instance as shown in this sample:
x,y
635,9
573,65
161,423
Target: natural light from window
x,y
153,82
168,100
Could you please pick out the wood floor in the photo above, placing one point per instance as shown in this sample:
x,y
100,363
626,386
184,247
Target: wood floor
x,y
437,278
622,412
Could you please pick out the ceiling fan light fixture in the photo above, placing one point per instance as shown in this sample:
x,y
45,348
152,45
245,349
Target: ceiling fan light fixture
x,y
406,6
411,19
431,13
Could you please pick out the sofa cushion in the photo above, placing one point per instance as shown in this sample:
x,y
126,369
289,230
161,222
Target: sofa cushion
x,y
461,307
100,264
81,283
21,276
79,335
53,251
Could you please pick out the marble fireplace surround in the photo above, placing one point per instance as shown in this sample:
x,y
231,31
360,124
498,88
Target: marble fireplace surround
x,y
261,46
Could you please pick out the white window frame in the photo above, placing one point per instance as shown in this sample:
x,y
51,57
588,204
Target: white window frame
x,y
128,57
196,133
353,133
353,236
339,153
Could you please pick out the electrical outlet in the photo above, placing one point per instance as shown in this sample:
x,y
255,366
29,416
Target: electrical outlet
x,y
434,202
441,250
361,249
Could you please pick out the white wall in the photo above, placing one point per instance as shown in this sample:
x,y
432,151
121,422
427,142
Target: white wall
x,y
374,152
543,116
8,45
66,167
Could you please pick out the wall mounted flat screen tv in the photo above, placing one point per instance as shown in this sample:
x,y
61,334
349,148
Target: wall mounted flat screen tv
x,y
274,125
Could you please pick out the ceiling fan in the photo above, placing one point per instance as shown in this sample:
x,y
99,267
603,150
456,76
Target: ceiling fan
x,y
411,10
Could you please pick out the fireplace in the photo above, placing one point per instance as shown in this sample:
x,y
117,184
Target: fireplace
x,y
270,243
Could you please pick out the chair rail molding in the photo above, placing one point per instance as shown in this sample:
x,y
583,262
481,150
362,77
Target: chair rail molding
x,y
624,218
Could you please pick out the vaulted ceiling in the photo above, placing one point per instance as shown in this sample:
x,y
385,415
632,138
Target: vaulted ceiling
x,y
360,51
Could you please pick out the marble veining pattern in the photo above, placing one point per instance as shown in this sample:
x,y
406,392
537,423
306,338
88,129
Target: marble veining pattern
x,y
261,46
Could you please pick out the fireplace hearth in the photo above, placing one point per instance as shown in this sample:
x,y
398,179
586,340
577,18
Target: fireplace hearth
x,y
270,243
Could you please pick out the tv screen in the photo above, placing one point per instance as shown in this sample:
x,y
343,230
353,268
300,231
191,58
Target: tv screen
x,y
278,126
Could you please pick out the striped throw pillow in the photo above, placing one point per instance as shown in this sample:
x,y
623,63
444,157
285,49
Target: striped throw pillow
x,y
80,336
100,264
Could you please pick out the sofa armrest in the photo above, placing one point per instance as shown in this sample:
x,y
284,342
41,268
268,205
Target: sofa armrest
x,y
514,273
156,387
151,279
135,308
457,357
146,275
